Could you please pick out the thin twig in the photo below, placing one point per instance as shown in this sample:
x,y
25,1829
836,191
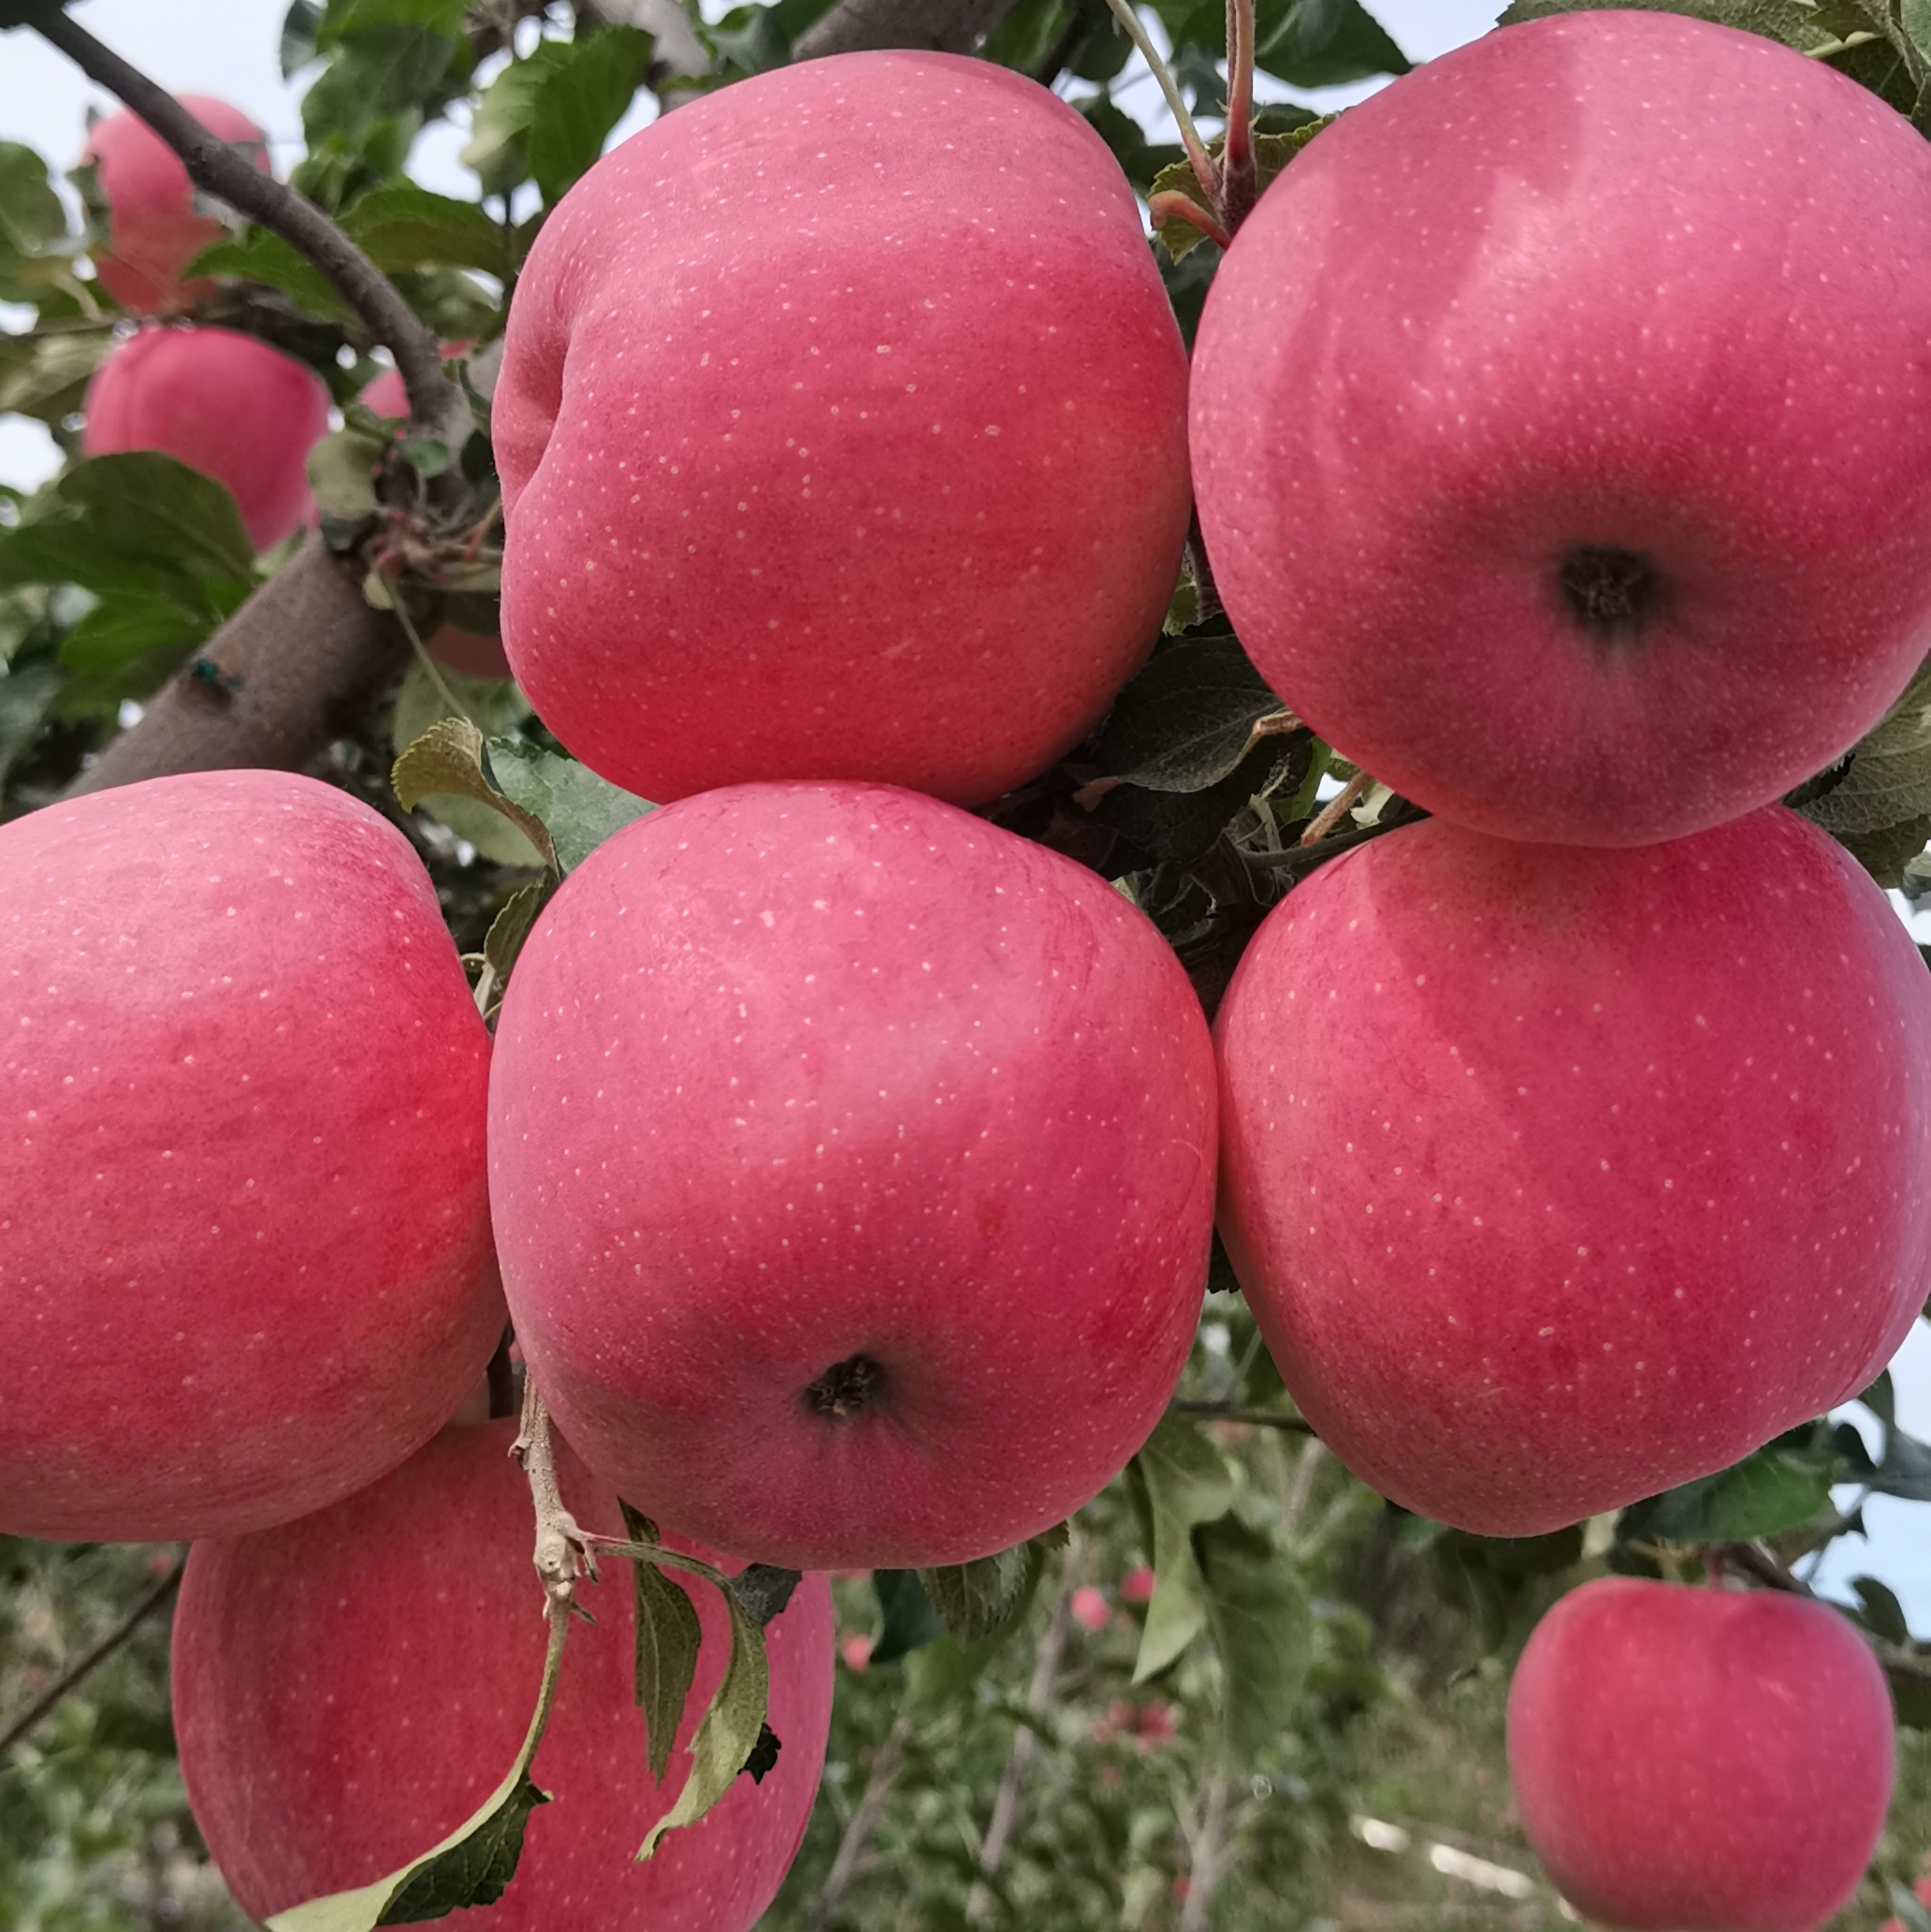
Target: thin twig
x,y
863,1823
1169,204
1230,1412
1237,165
92,1659
1206,1854
1205,172
435,403
562,1552
999,1829
1331,813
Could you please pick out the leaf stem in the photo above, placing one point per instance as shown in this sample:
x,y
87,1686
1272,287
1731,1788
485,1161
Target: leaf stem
x,y
1169,204
1205,172
435,403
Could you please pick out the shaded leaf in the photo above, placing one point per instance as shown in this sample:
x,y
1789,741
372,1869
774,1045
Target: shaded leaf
x,y
1906,1470
1271,153
1888,779
909,1621
1187,718
1783,1484
763,1589
1883,1614
1323,43
341,474
501,944
27,696
765,1754
984,1598
579,809
1183,1481
46,376
668,1638
1262,1628
1177,827
729,1732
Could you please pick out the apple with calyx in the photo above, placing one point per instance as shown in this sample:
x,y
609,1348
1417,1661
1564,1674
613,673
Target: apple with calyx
x,y
470,653
153,226
348,1689
1711,1758
842,431
852,1163
1516,468
245,1264
221,403
1557,1176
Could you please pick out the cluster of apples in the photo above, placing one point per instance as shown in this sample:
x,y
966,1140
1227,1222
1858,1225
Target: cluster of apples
x,y
1574,1142
851,1162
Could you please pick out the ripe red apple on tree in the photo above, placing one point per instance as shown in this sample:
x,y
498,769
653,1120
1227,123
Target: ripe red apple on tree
x,y
154,230
349,1688
224,403
842,432
244,1244
1557,1176
1514,461
1711,1758
852,1163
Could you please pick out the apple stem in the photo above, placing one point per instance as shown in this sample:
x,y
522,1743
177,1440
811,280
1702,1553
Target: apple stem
x,y
1237,162
436,404
1170,203
562,1552
1205,172
1330,815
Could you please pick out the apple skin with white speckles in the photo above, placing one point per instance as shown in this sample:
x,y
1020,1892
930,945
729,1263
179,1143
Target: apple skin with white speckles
x,y
349,1688
1704,1757
245,1263
842,428
852,1165
1614,282
1558,1176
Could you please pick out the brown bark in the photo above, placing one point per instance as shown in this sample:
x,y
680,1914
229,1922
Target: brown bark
x,y
280,678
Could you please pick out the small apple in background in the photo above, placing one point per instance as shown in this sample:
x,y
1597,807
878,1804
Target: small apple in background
x,y
349,1688
470,653
1557,1176
1090,1608
1515,473
1700,1757
842,431
245,1264
852,1163
221,403
1137,1586
154,230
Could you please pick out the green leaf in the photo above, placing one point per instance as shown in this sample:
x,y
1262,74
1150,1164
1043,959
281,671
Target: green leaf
x,y
985,1598
45,375
1179,827
31,215
140,525
580,100
1906,1470
470,1867
342,19
1323,43
341,474
400,225
729,1731
1785,1483
1026,33
27,696
579,809
300,25
257,256
500,125
1910,1692
445,761
1888,780
1141,160
1884,1614
907,1619
113,635
1187,718
668,1638
1183,1481
1262,1628
1272,154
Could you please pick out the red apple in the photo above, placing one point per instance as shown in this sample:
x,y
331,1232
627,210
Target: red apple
x,y
244,1243
1558,1176
224,403
1518,463
842,431
1712,1758
470,653
349,1688
852,1167
154,228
